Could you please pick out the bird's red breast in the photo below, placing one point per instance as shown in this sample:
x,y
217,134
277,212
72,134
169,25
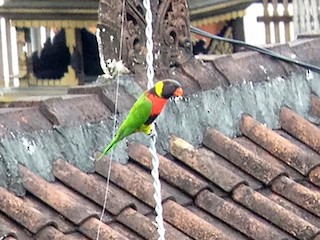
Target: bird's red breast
x,y
157,104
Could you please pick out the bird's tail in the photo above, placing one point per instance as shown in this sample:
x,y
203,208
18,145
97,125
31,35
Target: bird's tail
x,y
108,148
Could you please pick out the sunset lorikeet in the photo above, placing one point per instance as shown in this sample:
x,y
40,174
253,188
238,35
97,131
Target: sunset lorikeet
x,y
145,110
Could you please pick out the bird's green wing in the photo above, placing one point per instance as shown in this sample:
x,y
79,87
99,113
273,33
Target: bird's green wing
x,y
137,116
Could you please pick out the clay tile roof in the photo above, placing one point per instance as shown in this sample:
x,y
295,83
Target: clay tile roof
x,y
236,188
261,183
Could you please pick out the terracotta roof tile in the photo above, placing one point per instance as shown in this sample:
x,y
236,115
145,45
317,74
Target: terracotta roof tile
x,y
61,223
91,186
274,213
9,228
139,186
69,206
52,234
245,67
238,217
306,50
203,78
141,224
22,120
90,226
190,223
263,154
241,157
300,128
315,105
297,193
123,230
31,101
77,109
106,93
203,164
169,170
253,182
292,207
314,176
280,147
208,217
285,50
29,217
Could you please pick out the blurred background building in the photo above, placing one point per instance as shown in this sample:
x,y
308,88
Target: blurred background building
x,y
53,43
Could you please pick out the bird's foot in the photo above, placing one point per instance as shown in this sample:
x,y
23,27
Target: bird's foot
x,y
153,134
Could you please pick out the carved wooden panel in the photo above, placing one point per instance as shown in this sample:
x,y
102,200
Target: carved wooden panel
x,y
171,33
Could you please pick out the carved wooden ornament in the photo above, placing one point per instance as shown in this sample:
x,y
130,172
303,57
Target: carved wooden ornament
x,y
171,33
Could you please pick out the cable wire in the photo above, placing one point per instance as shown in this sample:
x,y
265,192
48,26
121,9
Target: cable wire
x,y
257,49
153,137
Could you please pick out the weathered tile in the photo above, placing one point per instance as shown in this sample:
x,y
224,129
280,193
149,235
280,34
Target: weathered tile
x,y
30,101
238,217
274,213
90,226
263,154
190,223
314,176
132,180
206,77
55,196
51,233
300,128
277,145
292,207
74,110
125,231
297,193
224,227
306,50
90,186
106,94
141,224
203,164
61,223
241,157
11,228
22,120
27,216
168,170
248,66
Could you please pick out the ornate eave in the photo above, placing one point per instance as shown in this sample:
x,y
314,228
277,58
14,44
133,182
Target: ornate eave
x,y
58,13
210,11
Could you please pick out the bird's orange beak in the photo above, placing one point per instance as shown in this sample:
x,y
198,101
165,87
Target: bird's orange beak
x,y
178,92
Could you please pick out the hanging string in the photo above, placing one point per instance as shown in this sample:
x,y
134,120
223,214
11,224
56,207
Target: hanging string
x,y
114,124
153,138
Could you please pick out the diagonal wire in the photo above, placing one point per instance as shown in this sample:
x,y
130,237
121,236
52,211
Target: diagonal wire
x,y
257,49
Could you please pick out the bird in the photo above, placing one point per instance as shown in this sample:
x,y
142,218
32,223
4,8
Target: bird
x,y
145,110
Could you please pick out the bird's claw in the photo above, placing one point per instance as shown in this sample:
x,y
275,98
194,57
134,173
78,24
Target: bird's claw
x,y
153,134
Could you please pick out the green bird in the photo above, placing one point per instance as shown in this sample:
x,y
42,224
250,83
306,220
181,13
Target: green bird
x,y
145,110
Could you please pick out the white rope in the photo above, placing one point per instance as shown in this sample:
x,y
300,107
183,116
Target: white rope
x,y
153,138
114,124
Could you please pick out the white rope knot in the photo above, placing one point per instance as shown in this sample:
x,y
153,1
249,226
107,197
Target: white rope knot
x,y
153,137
